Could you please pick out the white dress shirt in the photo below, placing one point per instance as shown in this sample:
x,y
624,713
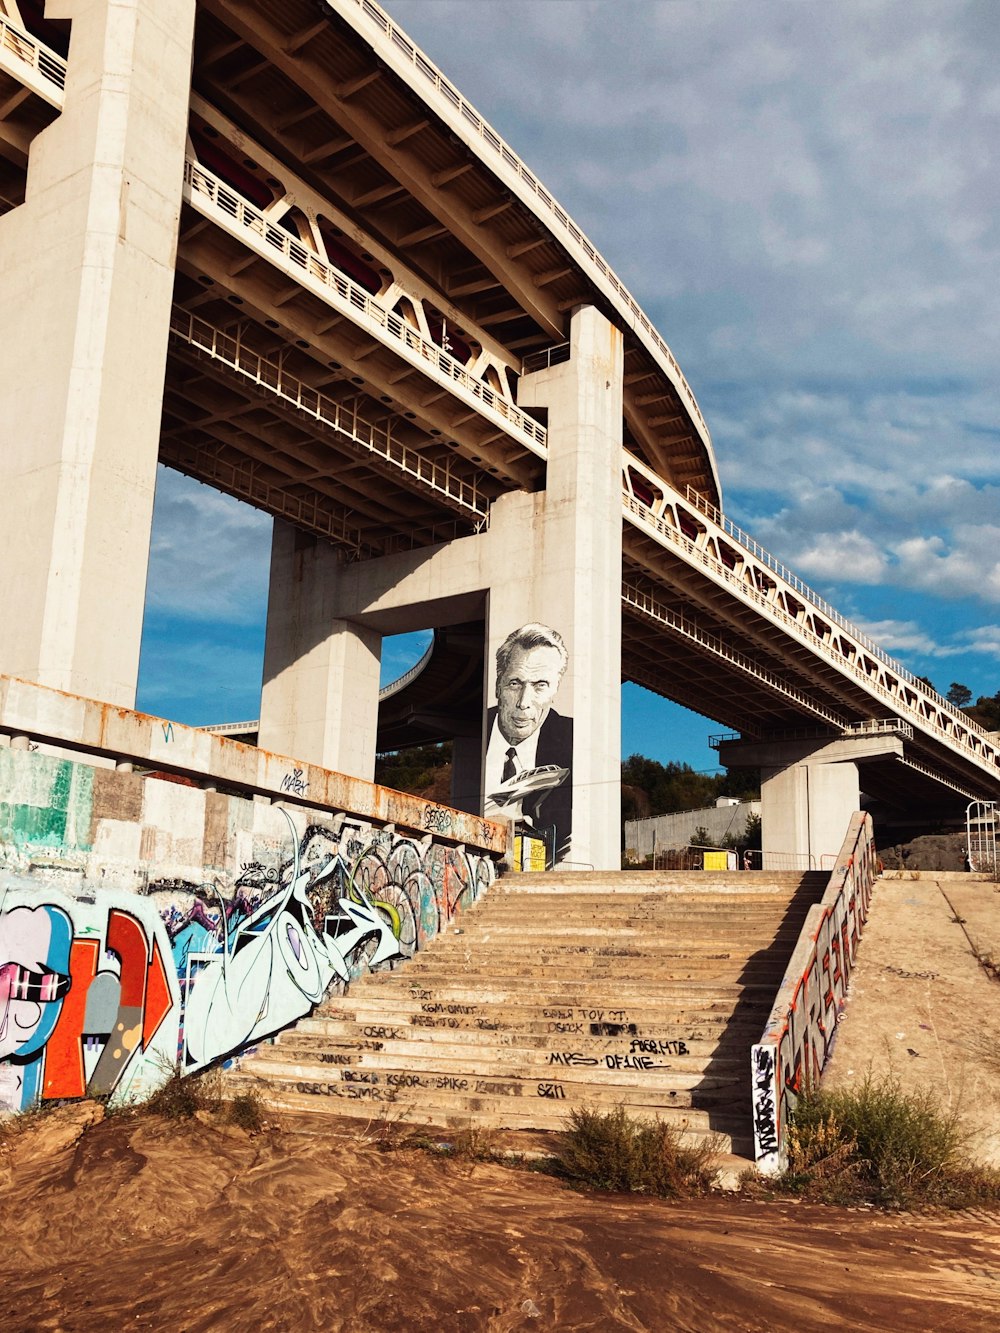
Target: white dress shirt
x,y
496,758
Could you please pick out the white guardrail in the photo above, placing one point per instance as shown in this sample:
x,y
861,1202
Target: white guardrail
x,y
793,1050
31,62
216,200
450,95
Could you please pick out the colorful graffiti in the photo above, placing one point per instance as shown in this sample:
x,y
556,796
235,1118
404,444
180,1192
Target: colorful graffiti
x,y
348,900
86,989
106,991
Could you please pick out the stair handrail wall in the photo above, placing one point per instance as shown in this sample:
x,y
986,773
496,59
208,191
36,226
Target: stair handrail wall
x,y
795,1045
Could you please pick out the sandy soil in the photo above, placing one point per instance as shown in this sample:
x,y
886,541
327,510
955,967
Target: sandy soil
x,y
921,1007
147,1224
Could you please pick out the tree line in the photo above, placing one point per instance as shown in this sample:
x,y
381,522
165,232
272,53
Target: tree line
x,y
648,787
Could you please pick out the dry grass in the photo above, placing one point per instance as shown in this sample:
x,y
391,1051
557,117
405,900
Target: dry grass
x,y
876,1144
612,1151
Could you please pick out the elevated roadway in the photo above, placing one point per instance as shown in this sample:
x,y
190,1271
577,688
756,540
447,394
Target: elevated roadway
x,y
366,277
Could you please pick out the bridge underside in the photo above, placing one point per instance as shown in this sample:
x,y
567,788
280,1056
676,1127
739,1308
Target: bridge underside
x,y
316,280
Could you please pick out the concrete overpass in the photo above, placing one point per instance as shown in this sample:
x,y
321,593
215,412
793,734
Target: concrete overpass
x,y
275,248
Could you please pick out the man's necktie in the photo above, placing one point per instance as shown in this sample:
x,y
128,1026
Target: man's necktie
x,y
509,767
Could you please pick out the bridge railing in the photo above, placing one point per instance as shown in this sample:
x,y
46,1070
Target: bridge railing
x,y
376,440
212,196
24,55
819,603
961,733
449,94
792,1052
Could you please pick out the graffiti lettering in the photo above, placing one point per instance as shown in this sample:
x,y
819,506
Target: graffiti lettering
x,y
84,993
485,1085
566,1029
910,976
437,819
294,783
554,1091
447,1083
557,1013
629,1062
571,1058
765,1127
613,1029
387,1034
662,1046
441,1008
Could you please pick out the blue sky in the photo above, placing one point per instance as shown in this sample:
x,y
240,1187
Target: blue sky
x,y
806,201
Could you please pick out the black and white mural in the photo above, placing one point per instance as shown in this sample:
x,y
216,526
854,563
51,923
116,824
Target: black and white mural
x,y
529,746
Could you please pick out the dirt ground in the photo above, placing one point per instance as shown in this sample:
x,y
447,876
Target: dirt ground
x,y
137,1222
921,1005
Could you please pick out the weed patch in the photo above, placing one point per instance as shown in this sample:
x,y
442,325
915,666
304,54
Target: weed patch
x,y
611,1151
876,1144
181,1098
246,1111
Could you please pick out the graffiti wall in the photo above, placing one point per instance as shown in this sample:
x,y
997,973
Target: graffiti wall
x,y
148,925
89,1000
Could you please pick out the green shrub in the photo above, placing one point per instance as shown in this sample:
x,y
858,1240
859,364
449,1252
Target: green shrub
x,y
876,1144
181,1098
246,1110
611,1151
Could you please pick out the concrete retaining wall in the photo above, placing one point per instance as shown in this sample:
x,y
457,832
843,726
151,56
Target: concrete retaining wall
x,y
643,836
149,925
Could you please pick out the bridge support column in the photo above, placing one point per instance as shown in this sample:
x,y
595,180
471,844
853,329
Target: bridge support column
x,y
563,570
85,292
810,789
319,700
805,809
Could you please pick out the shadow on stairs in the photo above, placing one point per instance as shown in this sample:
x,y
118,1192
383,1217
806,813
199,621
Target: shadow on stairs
x,y
559,991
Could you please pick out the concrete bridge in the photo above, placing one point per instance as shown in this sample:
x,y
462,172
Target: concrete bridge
x,y
273,247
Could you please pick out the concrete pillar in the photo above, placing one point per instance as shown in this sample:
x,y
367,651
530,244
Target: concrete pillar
x,y
805,809
559,566
86,278
319,700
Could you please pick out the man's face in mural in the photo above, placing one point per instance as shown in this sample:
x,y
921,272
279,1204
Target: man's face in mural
x,y
526,690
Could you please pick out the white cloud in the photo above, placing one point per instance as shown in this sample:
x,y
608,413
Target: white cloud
x,y
210,554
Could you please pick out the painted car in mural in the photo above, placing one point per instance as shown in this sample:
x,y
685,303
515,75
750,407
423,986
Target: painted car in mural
x,y
529,744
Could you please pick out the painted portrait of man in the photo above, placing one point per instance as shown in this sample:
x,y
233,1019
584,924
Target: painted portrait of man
x,y
529,748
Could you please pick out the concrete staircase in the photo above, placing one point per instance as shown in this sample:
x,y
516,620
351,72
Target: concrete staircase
x,y
555,991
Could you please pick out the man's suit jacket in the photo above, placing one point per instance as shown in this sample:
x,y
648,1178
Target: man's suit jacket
x,y
554,807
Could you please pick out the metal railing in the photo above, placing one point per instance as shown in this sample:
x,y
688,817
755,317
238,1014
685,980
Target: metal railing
x,y
20,51
791,1054
216,200
449,94
551,356
987,752
376,440
817,602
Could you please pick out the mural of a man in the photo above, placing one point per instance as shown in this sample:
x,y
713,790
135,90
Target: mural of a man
x,y
525,733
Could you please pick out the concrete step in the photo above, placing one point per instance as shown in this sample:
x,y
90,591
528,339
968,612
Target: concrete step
x,y
652,1073
397,1106
438,1093
701,1037
419,1054
343,1039
512,1010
